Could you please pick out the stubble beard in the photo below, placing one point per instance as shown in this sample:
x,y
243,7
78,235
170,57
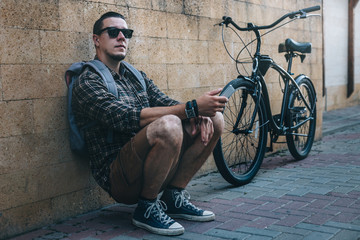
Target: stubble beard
x,y
118,57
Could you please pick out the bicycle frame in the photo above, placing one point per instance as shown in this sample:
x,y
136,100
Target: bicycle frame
x,y
261,89
289,81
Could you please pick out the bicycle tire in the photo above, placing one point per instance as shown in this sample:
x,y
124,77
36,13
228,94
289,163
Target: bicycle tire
x,y
238,156
300,140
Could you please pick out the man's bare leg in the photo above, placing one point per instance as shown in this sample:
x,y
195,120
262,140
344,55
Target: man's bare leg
x,y
165,137
196,155
174,195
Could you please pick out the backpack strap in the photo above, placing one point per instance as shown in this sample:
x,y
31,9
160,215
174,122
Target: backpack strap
x,y
136,73
105,74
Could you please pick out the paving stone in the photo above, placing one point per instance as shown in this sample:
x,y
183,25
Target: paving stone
x,y
227,234
317,228
347,235
290,230
343,226
287,236
318,235
256,231
191,236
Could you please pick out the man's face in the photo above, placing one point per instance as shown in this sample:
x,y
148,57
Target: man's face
x,y
116,47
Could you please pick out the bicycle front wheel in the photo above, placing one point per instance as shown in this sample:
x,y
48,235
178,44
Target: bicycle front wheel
x,y
240,150
301,119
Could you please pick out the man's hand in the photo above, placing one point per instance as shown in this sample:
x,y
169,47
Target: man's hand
x,y
204,125
210,103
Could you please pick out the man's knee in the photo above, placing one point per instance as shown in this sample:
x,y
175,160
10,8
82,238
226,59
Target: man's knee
x,y
166,129
218,123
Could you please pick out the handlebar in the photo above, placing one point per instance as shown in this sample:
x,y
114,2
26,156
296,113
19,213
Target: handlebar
x,y
250,27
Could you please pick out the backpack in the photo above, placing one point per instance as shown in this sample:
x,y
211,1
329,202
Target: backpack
x,y
76,135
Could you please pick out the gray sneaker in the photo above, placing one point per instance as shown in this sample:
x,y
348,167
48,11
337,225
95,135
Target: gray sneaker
x,y
150,216
179,206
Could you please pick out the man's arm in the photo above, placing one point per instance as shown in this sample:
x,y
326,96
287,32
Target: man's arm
x,y
208,105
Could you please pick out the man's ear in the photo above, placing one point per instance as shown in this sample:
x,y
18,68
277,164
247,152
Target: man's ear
x,y
96,40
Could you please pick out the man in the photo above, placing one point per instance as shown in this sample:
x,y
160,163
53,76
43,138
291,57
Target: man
x,y
157,145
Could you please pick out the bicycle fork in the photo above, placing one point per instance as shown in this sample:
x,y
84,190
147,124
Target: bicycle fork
x,y
245,94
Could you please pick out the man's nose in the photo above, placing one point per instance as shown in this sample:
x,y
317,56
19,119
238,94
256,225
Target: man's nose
x,y
120,36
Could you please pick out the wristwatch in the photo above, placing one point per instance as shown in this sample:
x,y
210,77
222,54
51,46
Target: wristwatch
x,y
189,110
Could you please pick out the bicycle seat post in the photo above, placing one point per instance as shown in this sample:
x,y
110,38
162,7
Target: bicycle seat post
x,y
289,58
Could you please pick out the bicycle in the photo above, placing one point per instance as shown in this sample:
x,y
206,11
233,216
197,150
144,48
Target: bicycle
x,y
248,117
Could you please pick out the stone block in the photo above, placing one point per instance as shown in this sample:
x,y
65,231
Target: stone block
x,y
148,23
207,30
217,52
290,5
32,81
24,218
198,8
50,114
158,50
156,72
59,179
16,118
138,50
106,1
31,14
65,47
93,11
240,12
20,153
186,94
316,40
173,6
260,14
12,39
148,50
80,201
187,51
316,73
183,76
135,3
72,16
214,75
180,26
220,8
36,184
1,88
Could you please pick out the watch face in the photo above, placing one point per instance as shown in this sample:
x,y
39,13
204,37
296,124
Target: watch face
x,y
190,113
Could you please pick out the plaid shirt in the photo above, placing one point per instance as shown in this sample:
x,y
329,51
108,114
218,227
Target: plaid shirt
x,y
92,101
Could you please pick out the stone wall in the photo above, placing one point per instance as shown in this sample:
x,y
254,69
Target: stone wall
x,y
175,43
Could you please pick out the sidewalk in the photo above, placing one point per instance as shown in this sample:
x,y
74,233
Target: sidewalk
x,y
316,198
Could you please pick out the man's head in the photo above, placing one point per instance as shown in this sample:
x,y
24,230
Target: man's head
x,y
111,36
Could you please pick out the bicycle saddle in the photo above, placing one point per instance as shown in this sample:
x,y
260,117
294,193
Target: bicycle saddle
x,y
292,46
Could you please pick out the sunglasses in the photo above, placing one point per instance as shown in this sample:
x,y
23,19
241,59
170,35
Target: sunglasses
x,y
114,32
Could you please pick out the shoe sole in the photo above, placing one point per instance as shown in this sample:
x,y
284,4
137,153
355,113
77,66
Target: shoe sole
x,y
193,217
159,231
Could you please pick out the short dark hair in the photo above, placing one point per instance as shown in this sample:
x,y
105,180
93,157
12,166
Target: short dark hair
x,y
99,23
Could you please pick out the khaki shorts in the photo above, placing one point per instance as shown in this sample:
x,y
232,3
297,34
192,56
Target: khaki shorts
x,y
126,171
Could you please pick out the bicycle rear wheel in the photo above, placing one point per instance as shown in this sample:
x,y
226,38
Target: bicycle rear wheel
x,y
240,151
302,119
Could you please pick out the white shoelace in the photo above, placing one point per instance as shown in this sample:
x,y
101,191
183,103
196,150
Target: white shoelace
x,y
158,207
182,199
